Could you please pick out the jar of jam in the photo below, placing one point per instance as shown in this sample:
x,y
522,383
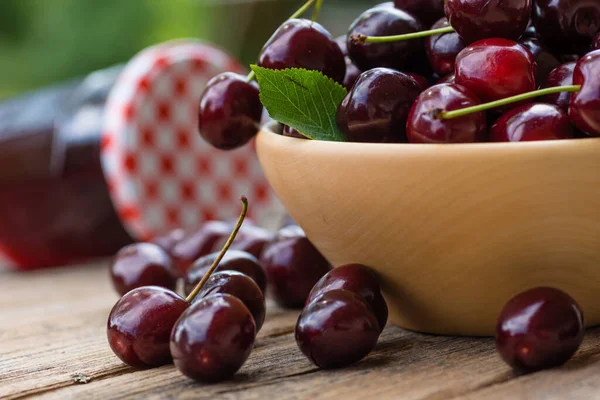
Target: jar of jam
x,y
94,164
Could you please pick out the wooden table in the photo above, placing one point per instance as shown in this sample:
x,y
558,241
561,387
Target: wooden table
x,y
53,345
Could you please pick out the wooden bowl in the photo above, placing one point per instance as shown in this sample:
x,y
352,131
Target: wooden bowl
x,y
453,230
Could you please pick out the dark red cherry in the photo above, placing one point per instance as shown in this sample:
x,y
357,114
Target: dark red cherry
x,y
234,260
168,241
251,239
406,55
426,11
140,323
239,285
450,78
420,79
337,329
560,76
376,108
358,279
544,60
142,264
425,126
199,243
230,111
536,121
567,26
540,328
291,132
596,42
293,266
479,19
300,43
213,338
442,49
496,68
352,74
584,109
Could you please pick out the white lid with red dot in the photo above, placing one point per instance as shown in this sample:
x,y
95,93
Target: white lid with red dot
x,y
161,174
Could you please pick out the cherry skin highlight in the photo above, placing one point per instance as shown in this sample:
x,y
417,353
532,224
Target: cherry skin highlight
x,y
142,264
293,266
442,49
536,121
300,43
560,76
479,19
538,329
376,108
494,69
358,279
425,126
230,111
140,323
337,329
234,260
584,109
211,341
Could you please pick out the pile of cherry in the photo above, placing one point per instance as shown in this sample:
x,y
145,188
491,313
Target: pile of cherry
x,y
501,70
210,333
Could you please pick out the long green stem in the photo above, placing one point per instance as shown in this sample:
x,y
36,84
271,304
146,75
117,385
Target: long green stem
x,y
360,39
298,13
215,263
509,100
317,9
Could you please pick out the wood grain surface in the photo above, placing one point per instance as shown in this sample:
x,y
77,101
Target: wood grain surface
x,y
53,345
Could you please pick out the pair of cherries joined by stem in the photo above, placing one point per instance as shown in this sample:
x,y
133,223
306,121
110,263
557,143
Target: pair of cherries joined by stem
x,y
208,335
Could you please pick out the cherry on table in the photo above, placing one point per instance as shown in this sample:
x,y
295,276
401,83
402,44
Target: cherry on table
x,y
494,69
425,126
213,338
168,241
336,329
230,111
538,329
560,76
293,265
199,243
479,19
426,11
140,323
536,121
376,108
408,55
240,286
142,264
442,49
585,104
234,260
358,279
300,43
251,239
545,61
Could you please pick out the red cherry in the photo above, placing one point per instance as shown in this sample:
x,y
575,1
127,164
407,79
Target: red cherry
x,y
529,122
442,49
420,79
545,61
584,109
560,76
426,11
199,243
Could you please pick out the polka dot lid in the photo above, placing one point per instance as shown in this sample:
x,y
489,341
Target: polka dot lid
x,y
160,172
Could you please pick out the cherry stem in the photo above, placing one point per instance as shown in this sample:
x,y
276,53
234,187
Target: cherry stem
x,y
509,100
318,5
358,38
298,13
215,263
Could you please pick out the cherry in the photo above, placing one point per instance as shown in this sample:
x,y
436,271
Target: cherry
x,y
142,264
420,79
251,239
540,328
376,108
560,76
291,132
337,329
213,338
596,42
536,121
234,260
199,243
442,49
352,74
585,104
544,60
241,286
140,323
293,266
230,111
479,19
450,78
425,126
384,21
358,279
300,43
426,11
567,26
168,241
496,68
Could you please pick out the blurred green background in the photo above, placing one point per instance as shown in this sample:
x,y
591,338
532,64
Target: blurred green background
x,y
46,41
